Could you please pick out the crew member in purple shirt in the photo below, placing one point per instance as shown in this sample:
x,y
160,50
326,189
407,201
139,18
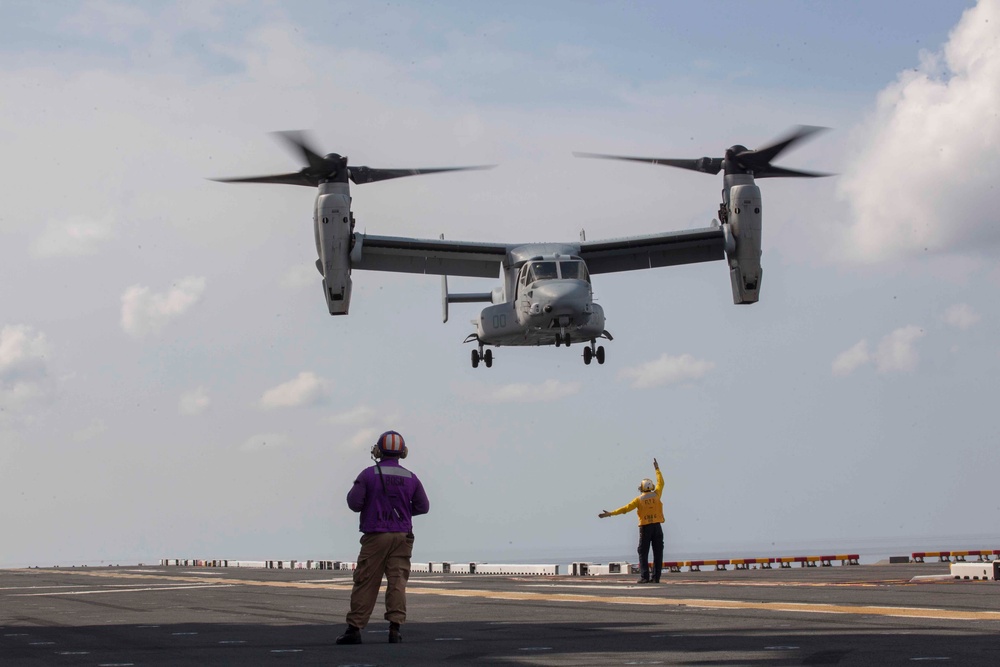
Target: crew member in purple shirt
x,y
388,496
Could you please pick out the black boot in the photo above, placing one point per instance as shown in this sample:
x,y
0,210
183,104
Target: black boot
x,y
394,636
351,636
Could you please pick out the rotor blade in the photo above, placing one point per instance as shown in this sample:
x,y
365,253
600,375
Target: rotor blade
x,y
297,178
776,172
762,156
297,140
706,165
362,175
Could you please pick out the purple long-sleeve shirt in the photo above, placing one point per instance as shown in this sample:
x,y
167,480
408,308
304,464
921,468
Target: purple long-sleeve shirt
x,y
388,509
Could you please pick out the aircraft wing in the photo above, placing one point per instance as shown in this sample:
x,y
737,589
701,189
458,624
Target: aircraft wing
x,y
654,250
433,256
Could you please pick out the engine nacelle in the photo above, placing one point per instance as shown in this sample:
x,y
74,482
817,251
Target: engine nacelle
x,y
334,226
745,212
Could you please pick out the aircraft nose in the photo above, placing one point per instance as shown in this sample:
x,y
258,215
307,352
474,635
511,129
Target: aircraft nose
x,y
559,297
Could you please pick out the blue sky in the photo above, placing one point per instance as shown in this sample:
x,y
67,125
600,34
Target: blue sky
x,y
171,385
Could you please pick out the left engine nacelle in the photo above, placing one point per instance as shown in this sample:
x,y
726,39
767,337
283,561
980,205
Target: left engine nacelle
x,y
744,259
334,227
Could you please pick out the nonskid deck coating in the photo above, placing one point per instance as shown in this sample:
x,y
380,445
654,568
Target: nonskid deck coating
x,y
852,615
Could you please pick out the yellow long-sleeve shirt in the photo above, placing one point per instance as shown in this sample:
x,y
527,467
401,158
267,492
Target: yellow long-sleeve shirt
x,y
648,506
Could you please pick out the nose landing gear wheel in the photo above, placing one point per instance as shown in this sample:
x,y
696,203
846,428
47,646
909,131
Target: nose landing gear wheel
x,y
558,340
475,359
488,358
588,355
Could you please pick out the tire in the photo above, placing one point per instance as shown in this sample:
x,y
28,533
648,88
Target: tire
x,y
488,358
475,358
600,354
588,355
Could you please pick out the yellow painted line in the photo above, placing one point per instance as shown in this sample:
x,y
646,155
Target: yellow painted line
x,y
794,607
640,601
182,587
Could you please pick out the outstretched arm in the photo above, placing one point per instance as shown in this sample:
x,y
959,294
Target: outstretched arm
x,y
621,510
659,479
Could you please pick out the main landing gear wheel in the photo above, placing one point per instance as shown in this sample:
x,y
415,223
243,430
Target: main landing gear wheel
x,y
590,353
485,356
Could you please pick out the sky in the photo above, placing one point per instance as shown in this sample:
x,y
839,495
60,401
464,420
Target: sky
x,y
171,385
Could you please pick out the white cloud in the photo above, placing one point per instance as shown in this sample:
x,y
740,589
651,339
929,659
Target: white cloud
x,y
194,402
262,442
145,312
897,351
924,175
961,316
524,392
666,370
95,428
74,237
301,276
24,368
357,415
850,360
306,389
113,21
364,438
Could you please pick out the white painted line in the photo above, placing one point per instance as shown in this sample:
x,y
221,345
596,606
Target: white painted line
x,y
781,648
932,658
16,634
26,588
147,571
147,626
183,634
232,641
603,587
286,650
536,648
73,653
122,590
447,639
116,664
41,643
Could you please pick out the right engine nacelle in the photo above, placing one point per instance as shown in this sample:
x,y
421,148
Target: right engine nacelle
x,y
334,227
745,212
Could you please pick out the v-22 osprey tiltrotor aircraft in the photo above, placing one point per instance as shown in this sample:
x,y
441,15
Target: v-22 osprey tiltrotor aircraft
x,y
545,296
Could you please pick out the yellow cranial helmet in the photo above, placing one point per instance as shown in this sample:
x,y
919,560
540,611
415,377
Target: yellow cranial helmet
x,y
647,485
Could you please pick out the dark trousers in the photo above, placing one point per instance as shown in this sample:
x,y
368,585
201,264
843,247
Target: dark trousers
x,y
650,535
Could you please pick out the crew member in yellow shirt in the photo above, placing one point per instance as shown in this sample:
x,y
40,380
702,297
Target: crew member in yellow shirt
x,y
650,511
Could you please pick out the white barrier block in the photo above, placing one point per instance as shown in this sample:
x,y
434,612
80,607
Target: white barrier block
x,y
420,567
498,568
610,568
983,571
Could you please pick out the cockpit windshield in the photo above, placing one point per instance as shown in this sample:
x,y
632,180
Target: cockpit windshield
x,y
575,270
551,270
542,271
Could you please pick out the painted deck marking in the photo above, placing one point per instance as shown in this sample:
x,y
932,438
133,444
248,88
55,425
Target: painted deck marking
x,y
116,590
579,598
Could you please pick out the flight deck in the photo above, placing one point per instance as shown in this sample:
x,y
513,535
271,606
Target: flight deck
x,y
857,615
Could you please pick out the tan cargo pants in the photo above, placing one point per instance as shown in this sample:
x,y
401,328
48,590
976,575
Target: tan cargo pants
x,y
381,554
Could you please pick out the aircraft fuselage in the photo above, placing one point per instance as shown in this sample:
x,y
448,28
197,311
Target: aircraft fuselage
x,y
547,300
